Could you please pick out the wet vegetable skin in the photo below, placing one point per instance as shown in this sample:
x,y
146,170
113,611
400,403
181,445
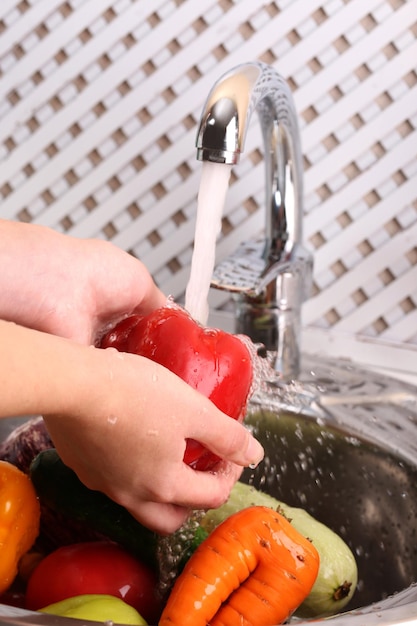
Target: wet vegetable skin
x,y
254,569
97,608
19,520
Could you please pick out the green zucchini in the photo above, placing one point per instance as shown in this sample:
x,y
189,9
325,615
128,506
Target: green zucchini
x,y
65,498
338,575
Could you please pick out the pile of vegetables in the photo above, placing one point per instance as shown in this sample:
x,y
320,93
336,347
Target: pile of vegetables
x,y
252,546
71,551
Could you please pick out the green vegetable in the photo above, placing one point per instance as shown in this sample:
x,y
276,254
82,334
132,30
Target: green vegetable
x,y
96,608
338,575
61,492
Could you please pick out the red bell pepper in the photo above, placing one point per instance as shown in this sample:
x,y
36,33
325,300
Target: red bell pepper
x,y
214,362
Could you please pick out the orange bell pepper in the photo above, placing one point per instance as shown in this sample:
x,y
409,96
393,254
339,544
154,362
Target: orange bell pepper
x,y
19,520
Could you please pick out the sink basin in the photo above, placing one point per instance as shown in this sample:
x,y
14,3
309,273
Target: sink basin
x,y
341,443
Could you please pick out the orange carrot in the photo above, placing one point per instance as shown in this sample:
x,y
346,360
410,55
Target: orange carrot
x,y
254,569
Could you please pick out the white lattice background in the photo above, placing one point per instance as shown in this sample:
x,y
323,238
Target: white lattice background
x,y
98,112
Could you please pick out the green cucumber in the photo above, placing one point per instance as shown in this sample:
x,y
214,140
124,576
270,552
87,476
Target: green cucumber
x,y
338,574
68,505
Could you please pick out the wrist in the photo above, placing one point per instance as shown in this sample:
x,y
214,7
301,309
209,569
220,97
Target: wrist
x,y
46,374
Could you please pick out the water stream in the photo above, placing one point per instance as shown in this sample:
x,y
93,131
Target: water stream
x,y
211,197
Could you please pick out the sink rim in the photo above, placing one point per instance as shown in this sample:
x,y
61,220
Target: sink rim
x,y
399,609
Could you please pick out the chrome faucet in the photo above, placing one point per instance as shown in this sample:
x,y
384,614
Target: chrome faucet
x,y
269,277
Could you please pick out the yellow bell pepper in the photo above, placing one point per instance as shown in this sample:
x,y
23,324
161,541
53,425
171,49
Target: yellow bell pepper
x,y
19,520
96,607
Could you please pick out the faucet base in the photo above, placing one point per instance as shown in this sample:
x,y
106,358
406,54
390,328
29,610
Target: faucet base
x,y
268,295
277,330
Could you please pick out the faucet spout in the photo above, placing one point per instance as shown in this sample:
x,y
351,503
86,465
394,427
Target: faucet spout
x,y
271,276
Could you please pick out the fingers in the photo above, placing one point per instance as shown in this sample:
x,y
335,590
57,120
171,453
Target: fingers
x,y
194,491
162,518
193,416
228,439
203,421
208,490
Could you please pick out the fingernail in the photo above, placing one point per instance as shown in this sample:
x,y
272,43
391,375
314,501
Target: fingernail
x,y
255,452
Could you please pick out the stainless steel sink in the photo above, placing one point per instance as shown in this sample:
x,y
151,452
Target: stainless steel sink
x,y
341,443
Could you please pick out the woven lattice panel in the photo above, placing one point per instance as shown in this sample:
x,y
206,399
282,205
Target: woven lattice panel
x,y
99,106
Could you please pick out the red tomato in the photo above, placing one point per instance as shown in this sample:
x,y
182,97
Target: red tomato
x,y
212,361
93,567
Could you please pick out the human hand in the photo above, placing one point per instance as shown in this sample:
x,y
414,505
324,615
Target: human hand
x,y
120,421
69,287
128,436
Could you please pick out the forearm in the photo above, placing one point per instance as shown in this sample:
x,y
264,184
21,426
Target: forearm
x,y
42,373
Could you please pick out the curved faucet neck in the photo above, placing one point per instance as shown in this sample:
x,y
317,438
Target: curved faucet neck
x,y
270,277
221,139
